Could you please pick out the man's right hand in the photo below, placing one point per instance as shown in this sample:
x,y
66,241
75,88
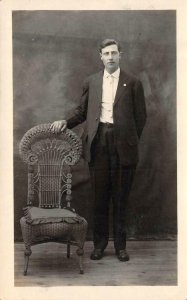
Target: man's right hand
x,y
58,126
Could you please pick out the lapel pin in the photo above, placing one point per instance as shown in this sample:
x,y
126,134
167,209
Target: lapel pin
x,y
124,84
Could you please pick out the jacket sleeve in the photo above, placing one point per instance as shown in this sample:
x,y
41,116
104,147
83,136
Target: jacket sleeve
x,y
80,112
139,107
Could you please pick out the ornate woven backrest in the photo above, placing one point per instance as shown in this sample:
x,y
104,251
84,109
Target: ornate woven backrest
x,y
49,157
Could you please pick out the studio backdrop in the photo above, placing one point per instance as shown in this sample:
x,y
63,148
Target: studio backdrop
x,y
53,51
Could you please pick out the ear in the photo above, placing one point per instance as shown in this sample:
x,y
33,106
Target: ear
x,y
101,56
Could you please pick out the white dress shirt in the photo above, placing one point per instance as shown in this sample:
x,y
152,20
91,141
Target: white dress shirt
x,y
110,83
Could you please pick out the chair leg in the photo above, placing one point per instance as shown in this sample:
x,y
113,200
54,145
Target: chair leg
x,y
80,253
27,253
68,249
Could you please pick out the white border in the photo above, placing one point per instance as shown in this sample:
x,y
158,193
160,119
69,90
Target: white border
x,y
7,289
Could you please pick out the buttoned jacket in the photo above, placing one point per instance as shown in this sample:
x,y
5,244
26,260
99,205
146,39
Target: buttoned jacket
x,y
129,115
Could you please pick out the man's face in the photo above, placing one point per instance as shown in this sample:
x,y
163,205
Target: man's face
x,y
110,57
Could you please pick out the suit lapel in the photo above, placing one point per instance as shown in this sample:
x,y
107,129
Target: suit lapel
x,y
122,85
98,82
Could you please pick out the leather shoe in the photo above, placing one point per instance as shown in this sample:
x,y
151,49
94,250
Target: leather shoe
x,y
122,255
96,254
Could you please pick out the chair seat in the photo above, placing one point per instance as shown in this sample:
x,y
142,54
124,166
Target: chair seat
x,y
36,215
53,231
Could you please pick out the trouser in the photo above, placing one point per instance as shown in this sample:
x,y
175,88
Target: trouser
x,y
110,181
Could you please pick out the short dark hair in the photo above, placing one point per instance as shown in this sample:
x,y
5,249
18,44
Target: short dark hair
x,y
108,42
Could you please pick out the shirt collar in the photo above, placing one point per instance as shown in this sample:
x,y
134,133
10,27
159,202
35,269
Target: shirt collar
x,y
115,74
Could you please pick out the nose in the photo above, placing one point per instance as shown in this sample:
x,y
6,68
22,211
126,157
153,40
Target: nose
x,y
110,56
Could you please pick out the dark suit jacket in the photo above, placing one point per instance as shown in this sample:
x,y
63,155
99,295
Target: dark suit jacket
x,y
129,114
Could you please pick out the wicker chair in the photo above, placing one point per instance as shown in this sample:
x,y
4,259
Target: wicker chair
x,y
49,157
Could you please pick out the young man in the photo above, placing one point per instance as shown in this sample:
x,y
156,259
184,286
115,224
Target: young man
x,y
112,103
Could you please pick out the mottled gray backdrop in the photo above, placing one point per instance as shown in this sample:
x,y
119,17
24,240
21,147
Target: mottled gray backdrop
x,y
53,51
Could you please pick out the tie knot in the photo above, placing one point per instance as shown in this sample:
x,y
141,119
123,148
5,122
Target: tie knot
x,y
111,78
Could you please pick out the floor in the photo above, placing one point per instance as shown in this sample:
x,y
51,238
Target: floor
x,y
152,263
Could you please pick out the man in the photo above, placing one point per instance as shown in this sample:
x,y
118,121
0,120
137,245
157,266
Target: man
x,y
112,103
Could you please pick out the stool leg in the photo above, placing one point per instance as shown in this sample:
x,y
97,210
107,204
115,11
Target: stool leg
x,y
27,253
68,249
81,264
80,253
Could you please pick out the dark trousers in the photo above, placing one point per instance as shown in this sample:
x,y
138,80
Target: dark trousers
x,y
110,181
